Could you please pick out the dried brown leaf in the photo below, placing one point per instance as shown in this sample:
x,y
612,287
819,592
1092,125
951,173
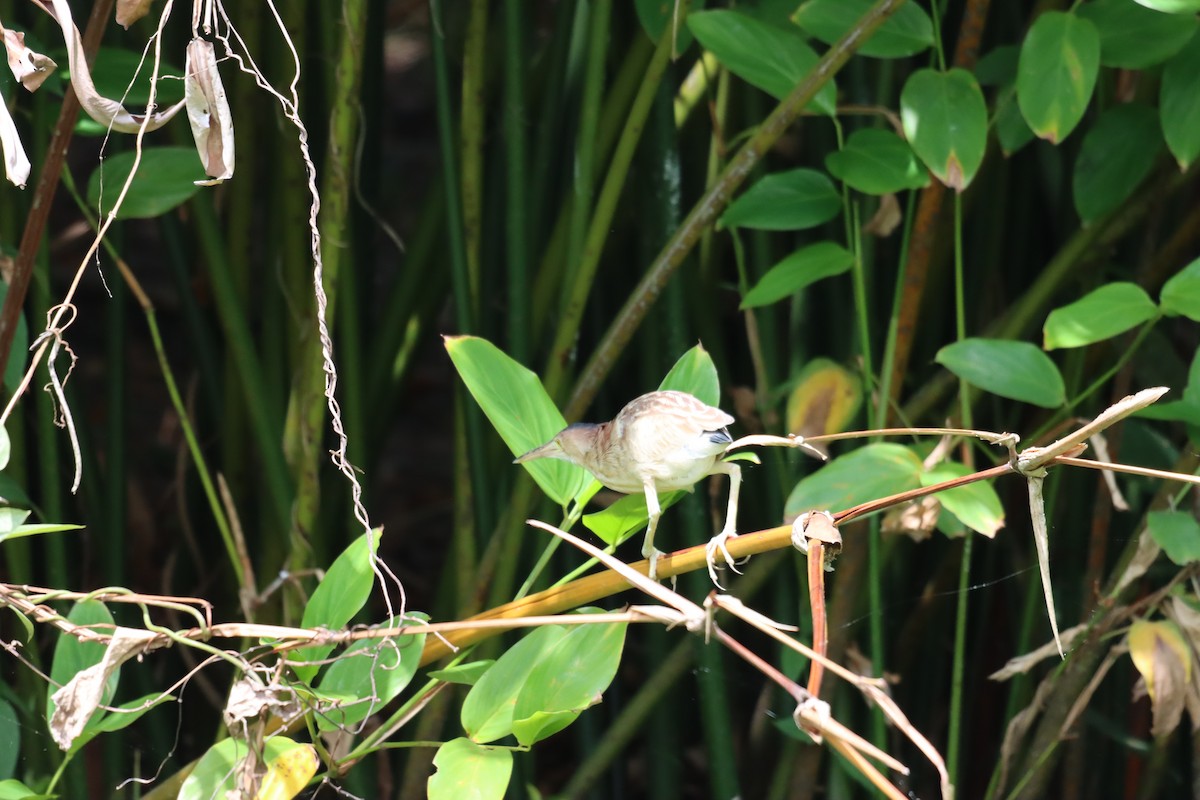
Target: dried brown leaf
x,y
915,520
130,11
1162,657
16,163
79,698
108,113
208,112
30,68
886,218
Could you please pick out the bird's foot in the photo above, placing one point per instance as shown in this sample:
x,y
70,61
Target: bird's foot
x,y
715,544
653,557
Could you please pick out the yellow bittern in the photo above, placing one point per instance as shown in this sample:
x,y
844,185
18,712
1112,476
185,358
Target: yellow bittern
x,y
660,442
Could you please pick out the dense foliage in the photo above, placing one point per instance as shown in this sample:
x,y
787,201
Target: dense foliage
x,y
859,215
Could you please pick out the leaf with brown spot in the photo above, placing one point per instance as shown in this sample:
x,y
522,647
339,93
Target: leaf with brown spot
x,y
1162,657
825,400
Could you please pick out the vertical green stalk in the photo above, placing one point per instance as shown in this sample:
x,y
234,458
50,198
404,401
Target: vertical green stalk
x,y
473,495
115,478
304,429
265,425
516,240
584,169
953,746
471,143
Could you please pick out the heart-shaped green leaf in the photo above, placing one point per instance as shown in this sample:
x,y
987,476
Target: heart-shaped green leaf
x,y
1060,59
1103,313
877,161
1016,370
945,119
792,200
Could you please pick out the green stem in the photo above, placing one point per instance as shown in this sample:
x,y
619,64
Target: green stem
x,y
516,240
266,424
954,735
471,143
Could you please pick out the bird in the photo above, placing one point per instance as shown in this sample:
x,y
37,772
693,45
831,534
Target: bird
x,y
660,442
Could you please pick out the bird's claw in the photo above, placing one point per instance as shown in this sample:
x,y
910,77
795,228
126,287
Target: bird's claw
x,y
653,557
715,544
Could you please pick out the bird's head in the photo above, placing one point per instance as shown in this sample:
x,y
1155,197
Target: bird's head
x,y
572,443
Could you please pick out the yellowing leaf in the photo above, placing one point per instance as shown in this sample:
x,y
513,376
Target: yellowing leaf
x,y
288,774
1162,657
825,400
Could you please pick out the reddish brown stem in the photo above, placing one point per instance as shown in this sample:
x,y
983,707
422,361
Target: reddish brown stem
x,y
816,599
47,185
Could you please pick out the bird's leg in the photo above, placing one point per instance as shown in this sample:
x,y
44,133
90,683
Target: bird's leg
x,y
652,507
729,531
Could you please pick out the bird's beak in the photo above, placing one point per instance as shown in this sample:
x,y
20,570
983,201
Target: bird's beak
x,y
550,449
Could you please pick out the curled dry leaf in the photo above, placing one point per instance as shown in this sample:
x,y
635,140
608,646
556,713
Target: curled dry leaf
x,y
1162,657
130,11
250,697
30,68
107,112
885,219
16,163
76,701
208,112
916,520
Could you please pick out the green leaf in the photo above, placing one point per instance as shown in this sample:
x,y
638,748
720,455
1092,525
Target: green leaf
x,y
1134,36
487,711
165,179
35,529
1016,370
907,32
1181,294
868,473
468,771
18,353
945,119
976,505
1100,314
13,789
338,597
1172,6
11,519
998,67
793,200
368,676
72,656
695,374
1177,533
465,674
567,680
1060,59
515,402
803,267
1179,103
770,57
1118,153
10,740
215,774
1012,131
877,161
659,16
615,524
113,74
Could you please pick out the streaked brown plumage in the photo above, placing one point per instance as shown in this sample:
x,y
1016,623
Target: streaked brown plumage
x,y
659,442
